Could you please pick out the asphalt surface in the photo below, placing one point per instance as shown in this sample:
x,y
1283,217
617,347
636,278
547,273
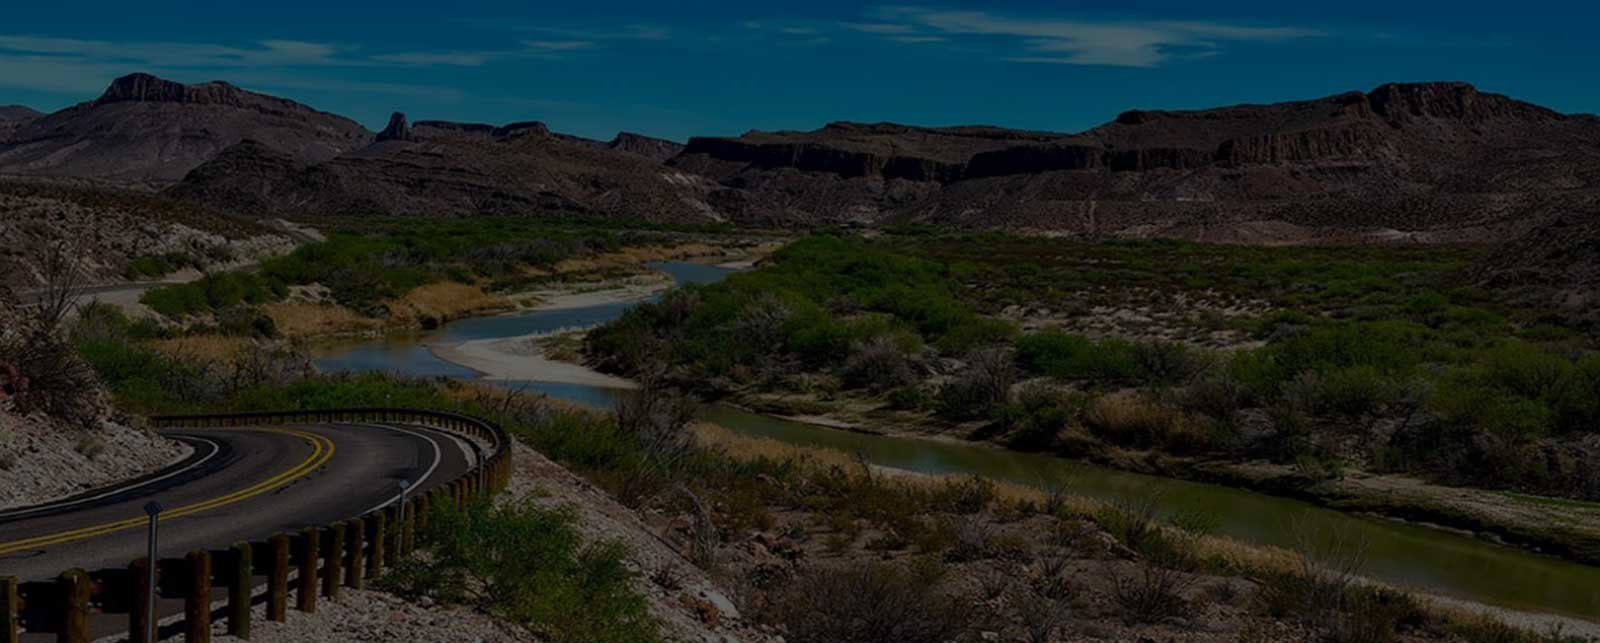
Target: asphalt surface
x,y
241,484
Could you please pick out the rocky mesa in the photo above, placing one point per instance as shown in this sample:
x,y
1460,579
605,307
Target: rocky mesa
x,y
149,130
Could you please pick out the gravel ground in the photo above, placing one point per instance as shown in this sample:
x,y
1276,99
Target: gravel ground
x,y
42,460
694,610
369,616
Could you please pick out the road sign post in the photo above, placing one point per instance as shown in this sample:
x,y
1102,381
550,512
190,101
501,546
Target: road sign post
x,y
153,510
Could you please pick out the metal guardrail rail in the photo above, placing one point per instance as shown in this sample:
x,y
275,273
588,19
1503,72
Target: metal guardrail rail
x,y
319,560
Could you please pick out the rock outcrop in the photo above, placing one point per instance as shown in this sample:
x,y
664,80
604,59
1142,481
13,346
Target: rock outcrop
x,y
655,149
1401,159
146,129
397,130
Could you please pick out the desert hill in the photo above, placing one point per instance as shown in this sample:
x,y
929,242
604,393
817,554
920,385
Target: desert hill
x,y
149,130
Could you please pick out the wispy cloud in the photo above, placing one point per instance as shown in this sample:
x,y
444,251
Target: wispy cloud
x,y
427,59
181,54
558,45
639,31
879,27
1148,43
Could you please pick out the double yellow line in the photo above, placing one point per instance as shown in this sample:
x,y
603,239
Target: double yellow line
x,y
321,451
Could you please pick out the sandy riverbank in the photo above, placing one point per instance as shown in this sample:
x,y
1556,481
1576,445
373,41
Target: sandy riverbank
x,y
521,358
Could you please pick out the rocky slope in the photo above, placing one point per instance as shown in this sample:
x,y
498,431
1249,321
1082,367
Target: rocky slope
x,y
1439,161
109,228
1556,265
148,130
439,168
1427,162
12,118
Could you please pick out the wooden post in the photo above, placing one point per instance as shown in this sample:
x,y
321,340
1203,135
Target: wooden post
x,y
138,626
278,580
333,561
197,601
408,536
355,573
375,561
239,587
8,609
308,570
75,586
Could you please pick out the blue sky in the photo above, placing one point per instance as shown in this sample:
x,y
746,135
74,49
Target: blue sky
x,y
679,69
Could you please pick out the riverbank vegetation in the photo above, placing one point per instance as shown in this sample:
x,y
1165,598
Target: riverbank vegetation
x,y
1318,361
797,531
409,273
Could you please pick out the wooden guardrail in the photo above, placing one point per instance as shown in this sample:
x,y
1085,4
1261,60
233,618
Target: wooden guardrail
x,y
347,553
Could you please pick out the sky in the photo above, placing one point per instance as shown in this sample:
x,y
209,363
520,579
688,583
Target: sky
x,y
679,69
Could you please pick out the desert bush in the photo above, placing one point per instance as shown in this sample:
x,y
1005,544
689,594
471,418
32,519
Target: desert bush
x,y
1218,396
1166,363
1042,616
1354,391
879,363
657,419
1151,593
1070,356
984,384
528,565
1039,413
42,370
868,603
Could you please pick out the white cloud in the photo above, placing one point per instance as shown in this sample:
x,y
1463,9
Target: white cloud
x,y
1082,42
558,45
449,58
879,27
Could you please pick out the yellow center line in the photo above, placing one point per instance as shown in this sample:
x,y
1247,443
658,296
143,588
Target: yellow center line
x,y
322,451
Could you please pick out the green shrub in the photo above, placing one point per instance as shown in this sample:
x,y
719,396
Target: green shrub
x,y
1069,356
528,565
1353,391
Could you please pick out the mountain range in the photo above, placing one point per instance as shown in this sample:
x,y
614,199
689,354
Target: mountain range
x,y
1419,162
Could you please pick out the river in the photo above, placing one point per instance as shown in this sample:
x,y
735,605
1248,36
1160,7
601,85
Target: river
x,y
1420,558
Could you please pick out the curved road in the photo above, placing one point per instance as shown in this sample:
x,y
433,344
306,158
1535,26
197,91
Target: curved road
x,y
240,484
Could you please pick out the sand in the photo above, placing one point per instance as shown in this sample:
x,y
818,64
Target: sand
x,y
520,358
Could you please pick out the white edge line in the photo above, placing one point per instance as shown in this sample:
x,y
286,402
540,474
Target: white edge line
x,y
438,456
215,449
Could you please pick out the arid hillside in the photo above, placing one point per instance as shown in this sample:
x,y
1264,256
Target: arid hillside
x,y
438,168
1426,162
148,130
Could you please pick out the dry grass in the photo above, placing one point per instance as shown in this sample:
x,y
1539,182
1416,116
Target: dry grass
x,y
301,320
210,348
1128,419
1224,552
636,255
444,301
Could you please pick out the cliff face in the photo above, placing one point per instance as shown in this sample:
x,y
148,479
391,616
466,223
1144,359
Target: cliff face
x,y
655,149
1424,145
149,130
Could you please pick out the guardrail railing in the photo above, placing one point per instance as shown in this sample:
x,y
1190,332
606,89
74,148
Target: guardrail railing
x,y
316,562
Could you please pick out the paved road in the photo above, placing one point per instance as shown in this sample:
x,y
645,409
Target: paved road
x,y
240,484
118,294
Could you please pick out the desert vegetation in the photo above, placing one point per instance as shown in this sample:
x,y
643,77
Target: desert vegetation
x,y
796,531
401,273
1321,360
